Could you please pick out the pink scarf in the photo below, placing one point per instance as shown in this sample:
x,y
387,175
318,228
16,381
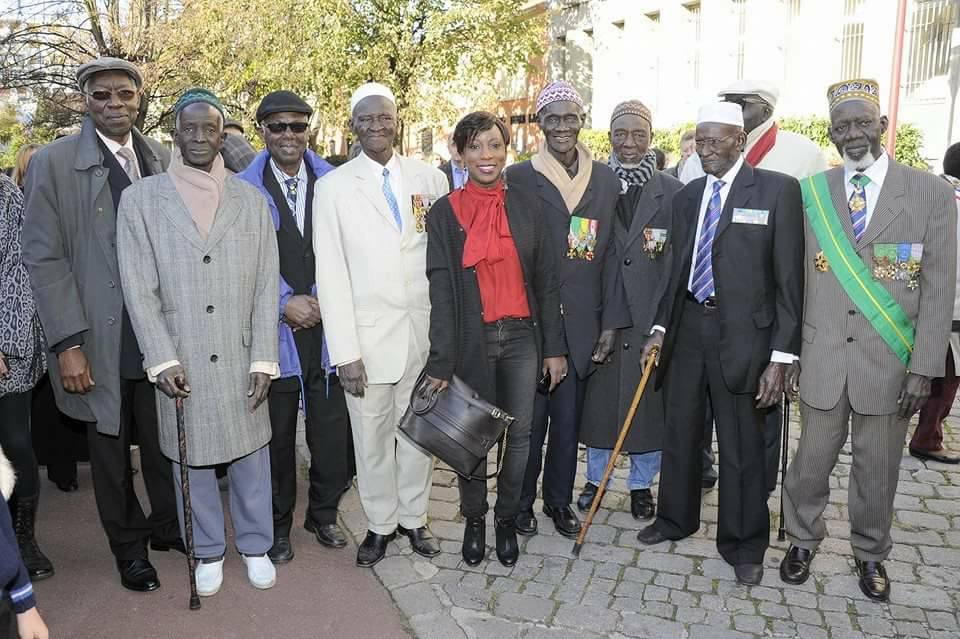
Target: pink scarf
x,y
200,191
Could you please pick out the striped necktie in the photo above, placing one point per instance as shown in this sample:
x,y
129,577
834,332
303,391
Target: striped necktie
x,y
858,205
292,184
129,163
702,286
391,198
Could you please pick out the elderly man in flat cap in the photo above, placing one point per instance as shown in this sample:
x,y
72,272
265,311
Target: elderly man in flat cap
x,y
643,232
286,174
96,366
728,327
880,261
579,200
198,258
370,242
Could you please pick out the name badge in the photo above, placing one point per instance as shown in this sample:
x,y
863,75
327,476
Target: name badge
x,y
750,216
582,238
421,203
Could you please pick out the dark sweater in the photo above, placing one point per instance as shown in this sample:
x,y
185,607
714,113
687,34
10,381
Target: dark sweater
x,y
457,343
13,574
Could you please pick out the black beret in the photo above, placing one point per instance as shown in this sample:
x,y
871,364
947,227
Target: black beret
x,y
282,102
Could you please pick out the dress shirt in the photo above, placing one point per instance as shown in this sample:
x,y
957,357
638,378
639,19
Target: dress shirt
x,y
459,175
300,210
877,172
396,176
114,146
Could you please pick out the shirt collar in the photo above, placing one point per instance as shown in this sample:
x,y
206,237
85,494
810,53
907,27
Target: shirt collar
x,y
758,132
729,176
113,146
282,177
877,171
393,164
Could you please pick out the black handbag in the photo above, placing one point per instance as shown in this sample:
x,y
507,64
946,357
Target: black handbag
x,y
456,425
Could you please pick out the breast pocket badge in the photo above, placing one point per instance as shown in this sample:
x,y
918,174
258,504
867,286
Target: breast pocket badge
x,y
751,216
421,203
582,238
899,262
654,241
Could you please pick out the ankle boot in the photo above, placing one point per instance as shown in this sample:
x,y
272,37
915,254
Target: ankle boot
x,y
38,566
474,540
507,548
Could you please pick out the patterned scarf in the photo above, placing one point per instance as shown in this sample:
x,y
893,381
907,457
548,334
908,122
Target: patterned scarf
x,y
634,175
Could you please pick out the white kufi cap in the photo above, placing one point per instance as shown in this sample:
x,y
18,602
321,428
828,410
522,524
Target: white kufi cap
x,y
370,89
721,113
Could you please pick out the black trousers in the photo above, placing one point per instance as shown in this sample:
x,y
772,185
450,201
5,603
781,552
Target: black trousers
x,y
128,528
18,445
59,441
328,436
772,436
562,409
512,359
743,527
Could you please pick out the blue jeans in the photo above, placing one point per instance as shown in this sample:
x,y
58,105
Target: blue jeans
x,y
643,467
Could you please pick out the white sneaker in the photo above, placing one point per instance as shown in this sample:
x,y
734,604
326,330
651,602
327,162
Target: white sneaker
x,y
260,571
209,578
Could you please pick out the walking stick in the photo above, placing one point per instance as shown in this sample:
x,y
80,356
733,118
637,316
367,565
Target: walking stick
x,y
647,369
187,508
782,533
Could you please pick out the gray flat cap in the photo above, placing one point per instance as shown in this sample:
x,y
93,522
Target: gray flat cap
x,y
106,63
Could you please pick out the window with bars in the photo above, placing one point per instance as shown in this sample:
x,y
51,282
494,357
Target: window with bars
x,y
930,32
740,6
694,27
851,50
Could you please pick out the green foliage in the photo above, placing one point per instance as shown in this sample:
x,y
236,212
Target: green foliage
x,y
14,135
598,141
668,140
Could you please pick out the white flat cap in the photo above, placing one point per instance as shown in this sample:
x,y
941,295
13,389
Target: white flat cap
x,y
763,90
370,89
721,113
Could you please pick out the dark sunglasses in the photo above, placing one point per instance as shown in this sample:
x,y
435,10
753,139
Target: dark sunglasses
x,y
125,95
280,127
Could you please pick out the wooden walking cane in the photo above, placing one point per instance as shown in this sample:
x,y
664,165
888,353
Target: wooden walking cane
x,y
647,369
782,533
187,508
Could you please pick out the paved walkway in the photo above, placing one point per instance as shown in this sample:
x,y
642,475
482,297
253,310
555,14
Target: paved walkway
x,y
683,590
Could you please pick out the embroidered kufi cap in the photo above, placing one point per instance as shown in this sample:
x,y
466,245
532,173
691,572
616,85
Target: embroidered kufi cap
x,y
632,107
721,113
858,89
371,89
558,91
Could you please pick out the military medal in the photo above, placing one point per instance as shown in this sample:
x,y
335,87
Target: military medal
x,y
820,262
421,204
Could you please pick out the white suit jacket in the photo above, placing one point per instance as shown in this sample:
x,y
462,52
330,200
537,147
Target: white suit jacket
x,y
371,276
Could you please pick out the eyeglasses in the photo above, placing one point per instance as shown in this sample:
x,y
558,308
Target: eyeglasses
x,y
125,95
712,142
280,127
384,119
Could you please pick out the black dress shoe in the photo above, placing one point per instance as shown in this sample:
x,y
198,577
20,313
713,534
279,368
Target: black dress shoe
x,y
329,535
474,547
68,485
650,536
873,580
526,523
707,483
748,574
282,550
373,548
641,504
138,575
422,542
564,520
586,497
165,546
507,548
795,567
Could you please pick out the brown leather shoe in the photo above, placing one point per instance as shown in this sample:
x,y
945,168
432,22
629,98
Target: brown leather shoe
x,y
873,580
795,567
943,455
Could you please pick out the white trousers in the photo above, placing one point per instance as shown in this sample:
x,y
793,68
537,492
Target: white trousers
x,y
393,476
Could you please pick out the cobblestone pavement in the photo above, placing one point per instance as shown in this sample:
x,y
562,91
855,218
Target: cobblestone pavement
x,y
676,590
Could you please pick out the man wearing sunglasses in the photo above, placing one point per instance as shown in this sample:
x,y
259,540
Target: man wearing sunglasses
x,y
69,246
286,174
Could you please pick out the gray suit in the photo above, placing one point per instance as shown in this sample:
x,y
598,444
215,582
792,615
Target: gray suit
x,y
209,304
850,374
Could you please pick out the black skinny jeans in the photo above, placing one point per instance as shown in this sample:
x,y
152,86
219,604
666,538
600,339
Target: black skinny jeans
x,y
512,358
17,443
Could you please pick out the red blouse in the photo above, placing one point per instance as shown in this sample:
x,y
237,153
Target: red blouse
x,y
490,248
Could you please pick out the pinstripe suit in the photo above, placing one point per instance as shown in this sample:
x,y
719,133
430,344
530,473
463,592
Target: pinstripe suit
x,y
850,374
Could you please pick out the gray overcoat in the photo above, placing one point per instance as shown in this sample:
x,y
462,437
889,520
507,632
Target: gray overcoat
x,y
70,251
644,261
209,304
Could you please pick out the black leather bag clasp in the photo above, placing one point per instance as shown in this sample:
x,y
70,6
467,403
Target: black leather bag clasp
x,y
456,425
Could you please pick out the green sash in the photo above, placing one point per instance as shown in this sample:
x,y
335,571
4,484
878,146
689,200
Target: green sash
x,y
875,302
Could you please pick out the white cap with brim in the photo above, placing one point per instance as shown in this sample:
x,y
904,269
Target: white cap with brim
x,y
763,90
371,89
721,113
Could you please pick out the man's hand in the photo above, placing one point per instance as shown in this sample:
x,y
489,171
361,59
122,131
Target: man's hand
x,y
436,384
259,387
556,367
601,352
75,371
353,377
31,626
655,341
4,369
792,383
172,382
771,385
302,311
913,395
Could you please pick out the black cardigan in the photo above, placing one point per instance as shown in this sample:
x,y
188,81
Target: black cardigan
x,y
457,342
